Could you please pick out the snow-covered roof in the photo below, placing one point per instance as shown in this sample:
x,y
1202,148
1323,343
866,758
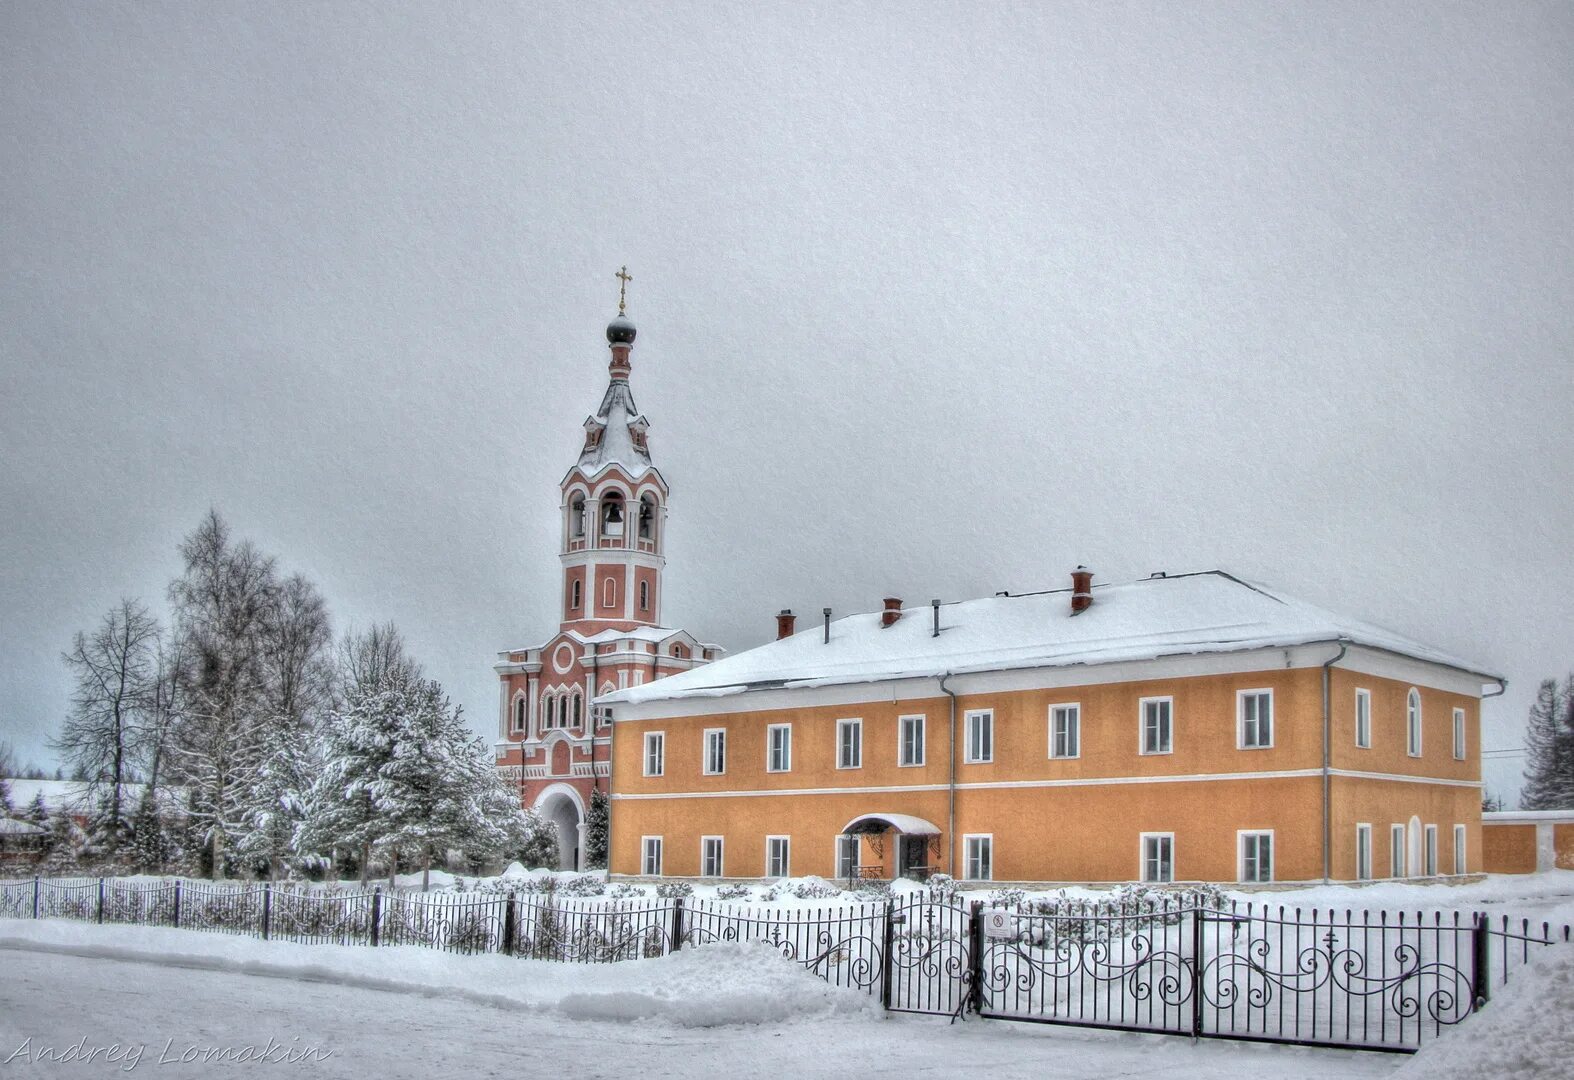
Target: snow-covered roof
x,y
74,795
1208,612
654,634
13,827
617,417
902,823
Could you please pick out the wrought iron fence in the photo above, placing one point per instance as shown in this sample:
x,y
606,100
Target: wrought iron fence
x,y
1358,979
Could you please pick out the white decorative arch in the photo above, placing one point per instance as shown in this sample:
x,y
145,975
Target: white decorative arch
x,y
513,709
564,790
613,483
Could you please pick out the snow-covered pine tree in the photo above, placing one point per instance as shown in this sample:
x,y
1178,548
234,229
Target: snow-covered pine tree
x,y
274,805
597,821
152,845
36,811
1549,737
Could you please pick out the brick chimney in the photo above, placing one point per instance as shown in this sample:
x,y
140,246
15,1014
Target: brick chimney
x,y
892,612
784,623
1081,589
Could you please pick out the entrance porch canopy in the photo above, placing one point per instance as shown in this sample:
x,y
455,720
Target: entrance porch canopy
x,y
878,823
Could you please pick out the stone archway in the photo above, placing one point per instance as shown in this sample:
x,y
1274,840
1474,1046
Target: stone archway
x,y
562,806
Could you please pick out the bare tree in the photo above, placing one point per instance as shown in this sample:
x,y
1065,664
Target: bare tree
x,y
296,652
225,602
7,769
112,668
371,659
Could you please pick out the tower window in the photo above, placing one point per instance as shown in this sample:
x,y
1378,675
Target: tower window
x,y
644,596
574,596
647,518
576,710
519,714
576,518
612,514
609,593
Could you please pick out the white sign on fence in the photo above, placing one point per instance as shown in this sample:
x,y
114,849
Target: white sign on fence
x,y
999,924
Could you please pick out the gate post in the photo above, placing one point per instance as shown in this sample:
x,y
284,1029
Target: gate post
x,y
885,960
35,896
377,913
975,960
267,909
177,902
678,929
510,925
1196,973
1481,970
101,900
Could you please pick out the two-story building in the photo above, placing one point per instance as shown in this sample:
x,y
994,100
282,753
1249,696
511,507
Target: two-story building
x,y
1182,727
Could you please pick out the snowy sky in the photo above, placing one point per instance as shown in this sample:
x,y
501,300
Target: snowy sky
x,y
934,300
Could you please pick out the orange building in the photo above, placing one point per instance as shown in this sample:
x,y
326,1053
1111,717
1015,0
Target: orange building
x,y
1186,727
610,635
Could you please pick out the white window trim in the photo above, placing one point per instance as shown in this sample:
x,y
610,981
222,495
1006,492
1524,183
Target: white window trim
x,y
787,748
721,858
644,855
1142,725
1142,856
650,736
967,859
1461,850
705,752
923,740
1420,723
1363,827
1076,706
1398,852
836,852
842,725
967,742
787,862
1240,719
1430,855
1461,746
1360,696
1240,856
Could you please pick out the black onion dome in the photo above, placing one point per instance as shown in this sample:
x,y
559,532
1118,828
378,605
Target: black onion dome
x,y
620,331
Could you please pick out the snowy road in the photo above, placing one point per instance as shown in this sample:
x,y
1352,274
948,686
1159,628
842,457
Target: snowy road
x,y
57,1000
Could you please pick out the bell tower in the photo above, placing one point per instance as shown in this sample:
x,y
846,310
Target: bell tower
x,y
614,508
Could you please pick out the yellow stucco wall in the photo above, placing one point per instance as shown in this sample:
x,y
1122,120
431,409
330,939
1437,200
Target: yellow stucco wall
x,y
1508,849
1059,819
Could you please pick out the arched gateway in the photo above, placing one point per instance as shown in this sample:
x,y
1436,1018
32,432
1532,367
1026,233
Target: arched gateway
x,y
565,809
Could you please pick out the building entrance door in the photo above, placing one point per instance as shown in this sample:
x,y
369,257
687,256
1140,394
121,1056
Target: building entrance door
x,y
912,856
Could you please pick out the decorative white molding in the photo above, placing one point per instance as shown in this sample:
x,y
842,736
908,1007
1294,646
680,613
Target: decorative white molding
x,y
536,772
511,773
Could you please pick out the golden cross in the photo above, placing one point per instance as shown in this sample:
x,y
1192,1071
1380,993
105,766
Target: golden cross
x,y
624,277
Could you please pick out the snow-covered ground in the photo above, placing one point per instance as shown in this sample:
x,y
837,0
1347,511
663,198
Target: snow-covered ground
x,y
172,997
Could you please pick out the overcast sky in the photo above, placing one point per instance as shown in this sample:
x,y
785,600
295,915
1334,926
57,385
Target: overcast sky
x,y
933,299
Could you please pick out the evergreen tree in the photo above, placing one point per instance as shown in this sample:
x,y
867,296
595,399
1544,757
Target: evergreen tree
x,y
1549,780
598,818
153,847
274,805
37,812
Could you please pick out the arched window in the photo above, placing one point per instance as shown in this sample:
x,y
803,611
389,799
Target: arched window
x,y
576,518
562,712
644,596
1413,723
647,518
519,714
576,710
612,515
679,651
574,595
609,593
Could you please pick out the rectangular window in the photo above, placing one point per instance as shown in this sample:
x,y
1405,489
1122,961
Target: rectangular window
x,y
1363,853
778,748
1158,857
1065,731
1396,851
1461,864
1430,853
655,753
1256,856
911,741
849,744
1256,719
650,856
715,751
1363,719
1157,725
980,858
777,849
1459,734
980,737
846,856
710,856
